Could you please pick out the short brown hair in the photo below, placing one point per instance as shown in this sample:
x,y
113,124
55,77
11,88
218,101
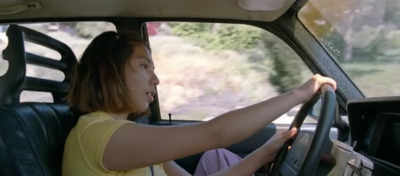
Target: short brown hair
x,y
98,79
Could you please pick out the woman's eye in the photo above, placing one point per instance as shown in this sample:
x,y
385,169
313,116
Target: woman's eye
x,y
145,66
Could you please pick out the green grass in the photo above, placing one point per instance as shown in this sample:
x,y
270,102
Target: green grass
x,y
375,79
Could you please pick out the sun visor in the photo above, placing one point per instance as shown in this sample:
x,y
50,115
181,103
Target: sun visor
x,y
261,5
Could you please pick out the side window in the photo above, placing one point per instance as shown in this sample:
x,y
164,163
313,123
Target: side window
x,y
76,35
207,69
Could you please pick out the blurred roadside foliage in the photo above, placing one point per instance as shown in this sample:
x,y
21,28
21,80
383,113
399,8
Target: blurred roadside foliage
x,y
278,60
356,31
217,36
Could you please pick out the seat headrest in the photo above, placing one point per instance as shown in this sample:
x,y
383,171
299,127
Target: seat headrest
x,y
14,81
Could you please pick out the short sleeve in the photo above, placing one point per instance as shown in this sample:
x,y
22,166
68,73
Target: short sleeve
x,y
94,139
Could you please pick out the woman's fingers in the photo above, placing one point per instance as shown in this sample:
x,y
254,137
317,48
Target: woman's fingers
x,y
308,89
289,134
292,132
321,80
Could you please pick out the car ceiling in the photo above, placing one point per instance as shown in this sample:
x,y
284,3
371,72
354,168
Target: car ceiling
x,y
216,9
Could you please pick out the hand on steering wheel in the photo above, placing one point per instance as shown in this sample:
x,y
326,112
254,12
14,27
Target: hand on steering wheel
x,y
307,147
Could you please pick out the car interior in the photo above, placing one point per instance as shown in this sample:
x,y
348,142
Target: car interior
x,y
352,134
33,134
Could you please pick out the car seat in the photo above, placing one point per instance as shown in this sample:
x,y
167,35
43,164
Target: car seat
x,y
32,134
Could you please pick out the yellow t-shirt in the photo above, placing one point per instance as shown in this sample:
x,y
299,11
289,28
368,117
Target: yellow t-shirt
x,y
85,146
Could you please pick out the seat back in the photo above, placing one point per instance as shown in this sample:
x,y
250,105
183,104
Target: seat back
x,y
32,138
14,81
32,135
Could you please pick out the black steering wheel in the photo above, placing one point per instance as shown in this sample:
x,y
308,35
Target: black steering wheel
x,y
307,147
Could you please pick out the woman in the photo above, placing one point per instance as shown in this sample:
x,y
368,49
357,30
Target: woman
x,y
115,82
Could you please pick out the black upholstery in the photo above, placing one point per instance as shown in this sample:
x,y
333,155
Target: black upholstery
x,y
32,138
32,135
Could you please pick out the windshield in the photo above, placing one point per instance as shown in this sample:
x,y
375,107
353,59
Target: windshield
x,y
364,38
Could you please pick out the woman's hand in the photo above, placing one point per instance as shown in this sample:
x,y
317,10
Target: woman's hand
x,y
275,143
308,89
264,154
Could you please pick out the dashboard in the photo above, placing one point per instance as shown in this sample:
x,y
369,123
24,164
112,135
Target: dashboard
x,y
375,128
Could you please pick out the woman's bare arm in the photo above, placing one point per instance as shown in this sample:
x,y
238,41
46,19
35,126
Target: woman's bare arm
x,y
263,155
135,145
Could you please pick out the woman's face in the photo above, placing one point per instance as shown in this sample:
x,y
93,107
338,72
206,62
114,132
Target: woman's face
x,y
140,78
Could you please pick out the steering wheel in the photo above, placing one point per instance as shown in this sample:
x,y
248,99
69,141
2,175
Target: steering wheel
x,y
307,147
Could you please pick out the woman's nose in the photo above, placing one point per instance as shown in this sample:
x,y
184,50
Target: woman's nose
x,y
154,79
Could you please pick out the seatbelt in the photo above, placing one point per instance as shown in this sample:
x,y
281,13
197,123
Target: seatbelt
x,y
151,170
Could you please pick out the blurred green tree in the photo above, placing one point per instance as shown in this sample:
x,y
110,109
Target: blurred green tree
x,y
287,67
217,36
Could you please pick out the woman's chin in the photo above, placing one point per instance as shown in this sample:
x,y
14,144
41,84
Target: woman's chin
x,y
144,109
